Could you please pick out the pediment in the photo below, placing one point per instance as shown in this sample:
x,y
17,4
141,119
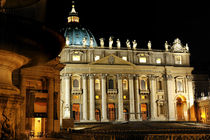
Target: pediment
x,y
112,60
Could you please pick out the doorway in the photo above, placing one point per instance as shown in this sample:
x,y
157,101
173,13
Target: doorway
x,y
144,111
111,108
125,111
181,108
76,112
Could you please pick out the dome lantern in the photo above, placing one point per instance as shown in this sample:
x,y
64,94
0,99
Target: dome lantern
x,y
73,15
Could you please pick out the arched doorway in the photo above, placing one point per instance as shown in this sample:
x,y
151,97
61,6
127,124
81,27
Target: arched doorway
x,y
76,111
181,108
111,108
125,111
98,115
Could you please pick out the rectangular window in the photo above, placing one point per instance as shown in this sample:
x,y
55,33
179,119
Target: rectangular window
x,y
76,58
158,61
178,60
97,58
124,58
142,59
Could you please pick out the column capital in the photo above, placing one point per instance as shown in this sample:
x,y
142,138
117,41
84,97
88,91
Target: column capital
x,y
152,77
189,77
103,75
91,75
66,75
136,76
84,75
168,76
130,76
119,76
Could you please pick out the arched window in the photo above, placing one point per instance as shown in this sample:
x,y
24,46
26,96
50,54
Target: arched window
x,y
160,86
179,85
75,83
143,84
125,84
111,84
97,84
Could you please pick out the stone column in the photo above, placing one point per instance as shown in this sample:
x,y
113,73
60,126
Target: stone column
x,y
120,98
92,98
104,98
50,107
170,91
67,97
61,99
138,116
191,99
131,98
153,104
84,98
23,106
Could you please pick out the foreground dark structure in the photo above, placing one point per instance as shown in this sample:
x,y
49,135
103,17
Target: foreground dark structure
x,y
142,130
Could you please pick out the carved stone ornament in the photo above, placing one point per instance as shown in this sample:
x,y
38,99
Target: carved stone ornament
x,y
111,60
152,77
103,76
168,76
91,76
177,46
189,77
119,76
76,52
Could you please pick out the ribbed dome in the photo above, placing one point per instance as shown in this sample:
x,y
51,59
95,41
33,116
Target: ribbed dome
x,y
76,33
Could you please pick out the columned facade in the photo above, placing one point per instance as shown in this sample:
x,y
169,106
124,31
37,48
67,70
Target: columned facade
x,y
131,98
92,98
84,99
67,96
104,98
120,98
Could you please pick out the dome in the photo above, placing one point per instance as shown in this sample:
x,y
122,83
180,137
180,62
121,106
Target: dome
x,y
75,34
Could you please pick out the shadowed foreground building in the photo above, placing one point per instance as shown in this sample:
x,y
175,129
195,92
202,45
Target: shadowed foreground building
x,y
100,84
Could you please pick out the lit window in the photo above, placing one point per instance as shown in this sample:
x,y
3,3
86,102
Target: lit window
x,y
178,60
97,97
76,58
159,85
97,84
124,58
158,61
124,97
75,97
97,58
143,84
75,83
125,84
142,59
179,85
111,84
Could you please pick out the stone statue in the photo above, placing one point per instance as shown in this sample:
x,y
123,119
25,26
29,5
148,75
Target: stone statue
x,y
101,42
166,46
67,41
110,42
134,44
84,41
118,43
187,48
91,42
149,45
128,44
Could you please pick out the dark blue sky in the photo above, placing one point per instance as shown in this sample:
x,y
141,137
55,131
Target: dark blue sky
x,y
156,20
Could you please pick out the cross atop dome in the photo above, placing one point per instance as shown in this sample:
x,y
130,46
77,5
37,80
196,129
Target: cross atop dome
x,y
73,15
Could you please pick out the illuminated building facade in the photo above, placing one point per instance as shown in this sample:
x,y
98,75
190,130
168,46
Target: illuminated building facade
x,y
112,83
202,97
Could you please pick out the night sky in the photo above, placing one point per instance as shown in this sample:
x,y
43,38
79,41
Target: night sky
x,y
157,21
